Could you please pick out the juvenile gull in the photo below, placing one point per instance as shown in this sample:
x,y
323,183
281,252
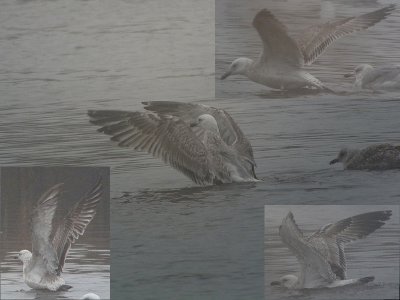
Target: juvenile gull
x,y
321,255
383,78
202,142
375,157
51,240
280,66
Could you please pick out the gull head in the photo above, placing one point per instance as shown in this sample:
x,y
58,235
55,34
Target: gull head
x,y
288,281
239,66
24,256
360,71
344,155
206,122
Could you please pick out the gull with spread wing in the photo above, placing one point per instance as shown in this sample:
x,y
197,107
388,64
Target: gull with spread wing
x,y
202,142
51,240
280,65
321,255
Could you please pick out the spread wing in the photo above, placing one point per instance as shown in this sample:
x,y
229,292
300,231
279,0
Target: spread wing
x,y
316,39
43,252
75,223
315,269
165,137
279,47
230,132
334,236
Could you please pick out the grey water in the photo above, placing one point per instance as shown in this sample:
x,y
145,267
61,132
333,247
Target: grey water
x,y
171,239
376,255
87,265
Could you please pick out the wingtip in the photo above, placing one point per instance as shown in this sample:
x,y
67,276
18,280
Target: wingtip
x,y
264,13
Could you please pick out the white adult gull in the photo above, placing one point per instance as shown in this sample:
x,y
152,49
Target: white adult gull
x,y
381,78
280,65
374,157
51,239
321,255
202,142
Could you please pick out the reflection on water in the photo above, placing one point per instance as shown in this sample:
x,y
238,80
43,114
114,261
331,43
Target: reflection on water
x,y
87,266
376,255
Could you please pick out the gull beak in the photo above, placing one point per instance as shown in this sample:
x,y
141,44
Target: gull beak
x,y
348,75
226,74
275,283
193,124
16,257
333,161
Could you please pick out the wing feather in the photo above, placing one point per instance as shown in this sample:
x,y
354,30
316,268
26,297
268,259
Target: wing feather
x,y
316,39
335,236
165,137
75,223
42,228
278,45
230,132
315,269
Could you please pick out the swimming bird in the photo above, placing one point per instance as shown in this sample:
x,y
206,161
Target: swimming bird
x,y
374,157
90,296
383,78
280,65
321,255
202,142
51,239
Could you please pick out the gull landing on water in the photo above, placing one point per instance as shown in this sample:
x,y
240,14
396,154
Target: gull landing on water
x,y
202,142
280,65
321,255
51,240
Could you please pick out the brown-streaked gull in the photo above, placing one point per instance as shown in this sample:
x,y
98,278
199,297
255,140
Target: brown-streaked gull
x,y
374,157
51,240
202,142
321,255
280,65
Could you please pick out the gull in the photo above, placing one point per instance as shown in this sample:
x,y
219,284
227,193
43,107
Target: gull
x,y
90,296
382,78
202,142
321,255
280,66
51,238
374,157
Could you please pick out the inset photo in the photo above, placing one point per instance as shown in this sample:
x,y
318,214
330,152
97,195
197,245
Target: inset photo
x,y
331,251
55,233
